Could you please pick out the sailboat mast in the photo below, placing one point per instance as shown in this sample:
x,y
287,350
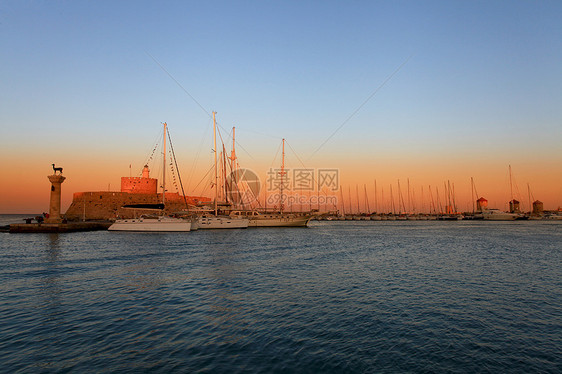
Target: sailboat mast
x,y
164,166
401,206
473,199
382,201
409,210
454,199
510,184
376,202
225,182
282,173
422,201
357,193
447,198
233,153
234,183
215,150
432,202
392,200
367,200
350,201
439,206
530,204
342,201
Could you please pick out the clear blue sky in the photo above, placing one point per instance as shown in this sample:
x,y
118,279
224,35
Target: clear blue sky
x,y
481,75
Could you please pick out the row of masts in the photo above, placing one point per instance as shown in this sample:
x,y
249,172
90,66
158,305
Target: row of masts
x,y
222,186
220,178
432,202
436,203
397,203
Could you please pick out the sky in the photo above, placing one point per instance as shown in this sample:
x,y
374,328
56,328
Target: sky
x,y
425,92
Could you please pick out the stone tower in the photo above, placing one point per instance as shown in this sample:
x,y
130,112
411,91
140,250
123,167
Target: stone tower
x,y
481,204
514,206
54,203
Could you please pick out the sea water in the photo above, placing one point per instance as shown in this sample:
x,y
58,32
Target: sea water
x,y
357,297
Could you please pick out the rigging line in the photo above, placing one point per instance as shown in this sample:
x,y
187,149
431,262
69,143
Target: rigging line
x,y
178,83
260,133
156,145
197,155
295,153
220,135
237,143
240,145
276,154
361,106
202,179
192,98
298,158
244,149
177,169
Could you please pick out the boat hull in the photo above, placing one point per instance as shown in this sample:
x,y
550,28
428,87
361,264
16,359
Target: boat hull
x,y
280,221
499,216
160,224
496,218
214,222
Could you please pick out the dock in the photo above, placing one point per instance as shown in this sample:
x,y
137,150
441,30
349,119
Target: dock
x,y
58,227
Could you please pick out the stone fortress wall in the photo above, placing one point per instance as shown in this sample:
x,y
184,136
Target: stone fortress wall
x,y
106,205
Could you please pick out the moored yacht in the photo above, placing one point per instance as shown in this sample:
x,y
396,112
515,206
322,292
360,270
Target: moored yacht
x,y
498,215
211,221
275,219
158,223
150,224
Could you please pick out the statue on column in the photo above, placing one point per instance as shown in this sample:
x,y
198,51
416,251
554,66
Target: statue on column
x,y
55,201
55,169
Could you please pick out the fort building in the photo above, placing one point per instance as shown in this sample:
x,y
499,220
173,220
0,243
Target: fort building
x,y
104,205
143,184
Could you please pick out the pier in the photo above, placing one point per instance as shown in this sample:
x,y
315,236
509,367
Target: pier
x,y
58,227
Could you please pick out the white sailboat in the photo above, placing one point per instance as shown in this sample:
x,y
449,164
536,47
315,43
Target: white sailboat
x,y
159,223
276,218
214,220
498,215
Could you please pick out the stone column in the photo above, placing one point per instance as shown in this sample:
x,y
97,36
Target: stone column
x,y
54,204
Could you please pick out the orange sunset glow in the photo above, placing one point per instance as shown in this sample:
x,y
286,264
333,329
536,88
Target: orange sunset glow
x,y
27,191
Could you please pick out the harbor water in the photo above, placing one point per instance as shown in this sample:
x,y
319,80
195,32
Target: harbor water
x,y
356,297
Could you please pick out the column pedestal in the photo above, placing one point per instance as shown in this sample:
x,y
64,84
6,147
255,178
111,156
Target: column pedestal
x,y
54,204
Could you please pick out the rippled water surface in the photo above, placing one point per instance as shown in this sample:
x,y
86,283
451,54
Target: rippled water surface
x,y
335,297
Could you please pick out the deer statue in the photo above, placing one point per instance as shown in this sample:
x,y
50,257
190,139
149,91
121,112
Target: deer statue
x,y
55,169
